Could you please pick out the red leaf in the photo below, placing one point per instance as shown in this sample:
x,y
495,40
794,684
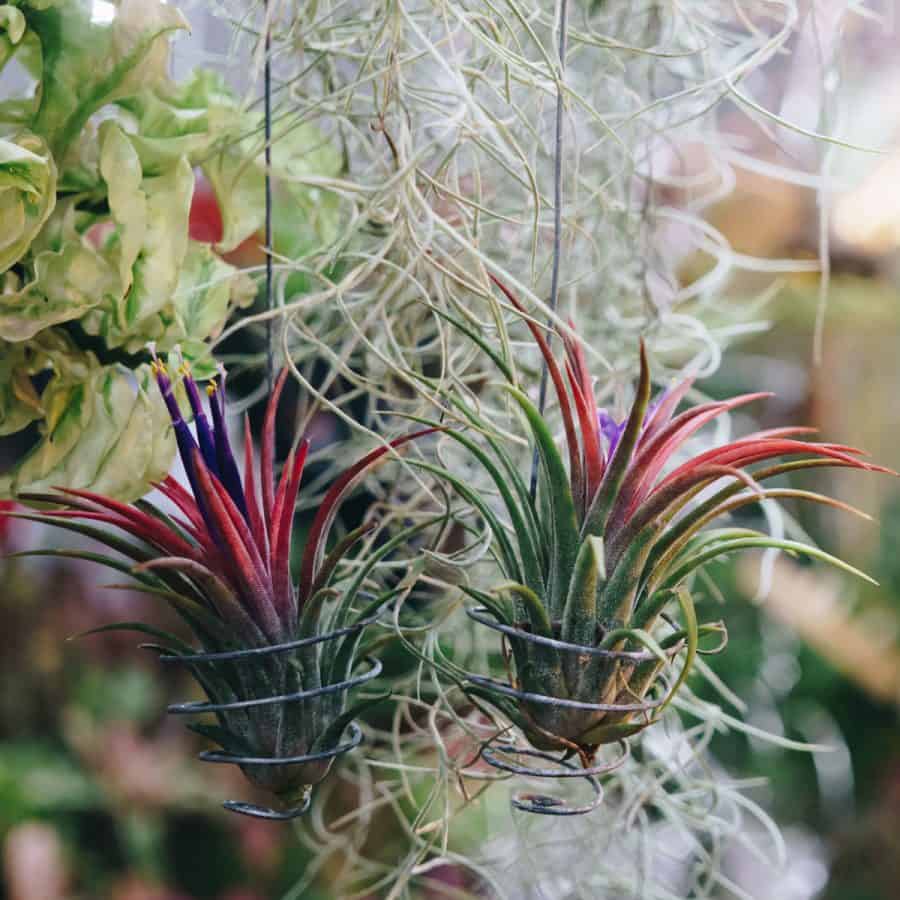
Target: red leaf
x,y
663,413
195,526
749,450
652,456
140,524
182,498
231,529
267,452
559,384
257,525
205,217
285,503
6,506
593,462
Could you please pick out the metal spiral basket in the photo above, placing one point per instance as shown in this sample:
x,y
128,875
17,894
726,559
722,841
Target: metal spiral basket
x,y
499,756
354,738
542,804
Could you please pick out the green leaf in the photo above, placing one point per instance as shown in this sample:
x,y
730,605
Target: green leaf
x,y
65,284
202,121
179,646
763,542
88,64
228,740
510,560
101,535
566,540
540,536
19,401
534,607
110,562
343,612
304,217
146,246
16,41
103,429
620,593
206,294
614,731
311,612
689,615
542,669
647,612
476,338
27,193
636,636
503,612
579,622
184,120
728,499
332,734
12,22
121,170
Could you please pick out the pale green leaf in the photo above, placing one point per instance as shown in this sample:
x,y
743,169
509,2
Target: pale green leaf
x,y
88,64
27,193
103,430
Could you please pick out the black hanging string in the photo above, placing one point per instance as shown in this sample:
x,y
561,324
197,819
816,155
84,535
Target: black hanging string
x,y
267,100
557,216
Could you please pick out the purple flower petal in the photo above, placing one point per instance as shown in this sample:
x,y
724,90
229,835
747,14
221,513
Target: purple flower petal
x,y
183,438
204,435
227,465
610,429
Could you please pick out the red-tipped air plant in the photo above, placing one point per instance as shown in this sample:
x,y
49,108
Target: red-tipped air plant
x,y
596,558
276,658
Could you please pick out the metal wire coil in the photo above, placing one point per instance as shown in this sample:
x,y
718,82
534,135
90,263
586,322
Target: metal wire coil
x,y
540,804
255,653
544,805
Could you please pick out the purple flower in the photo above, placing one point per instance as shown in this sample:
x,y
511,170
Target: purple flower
x,y
612,430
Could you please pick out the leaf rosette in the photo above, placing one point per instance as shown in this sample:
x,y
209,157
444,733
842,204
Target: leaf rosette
x,y
596,610
276,656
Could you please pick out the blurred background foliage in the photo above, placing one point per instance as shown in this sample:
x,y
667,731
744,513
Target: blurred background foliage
x,y
100,794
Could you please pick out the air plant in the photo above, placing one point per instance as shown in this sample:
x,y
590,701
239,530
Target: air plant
x,y
276,657
598,555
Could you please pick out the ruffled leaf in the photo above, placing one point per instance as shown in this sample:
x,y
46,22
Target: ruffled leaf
x,y
27,193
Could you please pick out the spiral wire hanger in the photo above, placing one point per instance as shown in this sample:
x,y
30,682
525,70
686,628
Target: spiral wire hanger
x,y
501,754
253,655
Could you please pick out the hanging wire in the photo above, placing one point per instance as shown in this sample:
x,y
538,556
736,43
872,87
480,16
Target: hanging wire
x,y
267,90
557,215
